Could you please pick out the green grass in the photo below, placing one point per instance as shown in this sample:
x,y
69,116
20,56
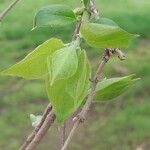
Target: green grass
x,y
126,128
120,125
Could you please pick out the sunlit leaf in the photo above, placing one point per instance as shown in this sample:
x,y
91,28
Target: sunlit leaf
x,y
65,95
78,90
109,89
54,15
64,63
34,65
103,36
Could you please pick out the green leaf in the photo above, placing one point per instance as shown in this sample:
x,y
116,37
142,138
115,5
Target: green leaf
x,y
86,2
106,21
34,65
65,95
103,36
54,15
109,89
64,63
78,90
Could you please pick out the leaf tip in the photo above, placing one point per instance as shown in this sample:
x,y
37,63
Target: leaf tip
x,y
132,77
136,79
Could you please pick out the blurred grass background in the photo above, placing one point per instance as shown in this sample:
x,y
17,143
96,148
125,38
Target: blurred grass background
x,y
123,124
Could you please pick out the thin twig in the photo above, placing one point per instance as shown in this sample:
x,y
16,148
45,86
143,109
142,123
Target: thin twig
x,y
77,30
63,134
34,132
92,10
42,131
78,26
81,117
6,10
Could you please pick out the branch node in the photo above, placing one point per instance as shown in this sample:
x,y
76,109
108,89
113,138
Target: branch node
x,y
75,119
97,79
80,117
108,53
120,54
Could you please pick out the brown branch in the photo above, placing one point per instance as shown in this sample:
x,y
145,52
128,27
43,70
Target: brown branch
x,y
42,131
63,134
6,10
81,117
92,10
33,134
78,26
77,30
